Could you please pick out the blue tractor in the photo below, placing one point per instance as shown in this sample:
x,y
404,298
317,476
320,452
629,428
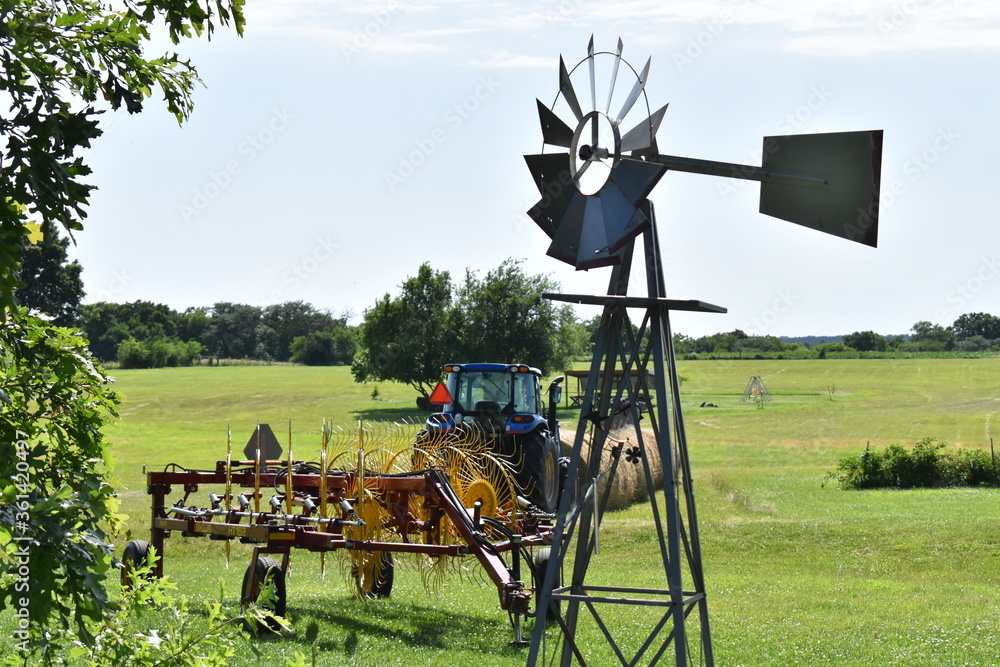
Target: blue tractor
x,y
505,402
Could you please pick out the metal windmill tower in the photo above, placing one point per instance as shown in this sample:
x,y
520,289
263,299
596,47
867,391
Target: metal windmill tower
x,y
756,391
594,183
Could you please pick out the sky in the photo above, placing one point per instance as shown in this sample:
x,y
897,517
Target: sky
x,y
337,146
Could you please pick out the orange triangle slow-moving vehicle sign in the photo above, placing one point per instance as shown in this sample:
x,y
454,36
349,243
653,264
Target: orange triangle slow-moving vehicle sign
x,y
440,395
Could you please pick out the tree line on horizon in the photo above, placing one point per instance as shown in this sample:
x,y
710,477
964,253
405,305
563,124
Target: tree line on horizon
x,y
408,337
971,332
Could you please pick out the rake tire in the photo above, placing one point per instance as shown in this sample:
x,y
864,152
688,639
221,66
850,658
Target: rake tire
x,y
541,561
381,585
136,554
265,567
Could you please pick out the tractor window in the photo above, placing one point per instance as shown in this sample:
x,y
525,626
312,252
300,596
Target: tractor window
x,y
484,392
526,393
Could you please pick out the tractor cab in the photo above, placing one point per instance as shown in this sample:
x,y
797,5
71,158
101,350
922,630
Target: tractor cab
x,y
504,401
500,398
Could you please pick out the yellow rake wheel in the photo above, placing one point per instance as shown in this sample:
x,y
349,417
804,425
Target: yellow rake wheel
x,y
481,491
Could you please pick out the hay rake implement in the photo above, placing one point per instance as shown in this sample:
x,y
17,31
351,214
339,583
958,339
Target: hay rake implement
x,y
375,494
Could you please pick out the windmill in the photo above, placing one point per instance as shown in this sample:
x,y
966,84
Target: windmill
x,y
756,391
594,183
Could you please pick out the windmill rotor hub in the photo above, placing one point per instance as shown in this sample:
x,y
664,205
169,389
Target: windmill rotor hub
x,y
594,151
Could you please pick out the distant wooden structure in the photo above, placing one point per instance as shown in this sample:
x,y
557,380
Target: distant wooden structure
x,y
640,383
756,391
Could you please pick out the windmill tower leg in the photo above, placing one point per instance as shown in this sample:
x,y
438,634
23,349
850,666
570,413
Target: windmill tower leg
x,y
682,470
576,538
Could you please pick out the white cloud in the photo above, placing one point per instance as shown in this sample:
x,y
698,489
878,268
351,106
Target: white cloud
x,y
507,60
845,28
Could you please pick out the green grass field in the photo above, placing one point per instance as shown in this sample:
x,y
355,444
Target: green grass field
x,y
798,572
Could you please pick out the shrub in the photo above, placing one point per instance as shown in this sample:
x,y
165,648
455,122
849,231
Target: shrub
x,y
928,465
325,348
158,353
154,626
833,349
56,504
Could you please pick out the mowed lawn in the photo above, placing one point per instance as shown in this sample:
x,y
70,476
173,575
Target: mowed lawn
x,y
798,572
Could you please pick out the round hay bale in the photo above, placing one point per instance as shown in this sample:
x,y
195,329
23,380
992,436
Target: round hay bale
x,y
630,479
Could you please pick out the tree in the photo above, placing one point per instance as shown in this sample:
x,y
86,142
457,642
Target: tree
x,y
683,344
232,331
50,283
974,344
57,62
932,337
572,337
866,341
730,342
53,402
193,323
408,338
108,325
977,324
503,317
330,347
288,321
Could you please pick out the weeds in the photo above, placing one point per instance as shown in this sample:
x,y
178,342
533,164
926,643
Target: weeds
x,y
928,465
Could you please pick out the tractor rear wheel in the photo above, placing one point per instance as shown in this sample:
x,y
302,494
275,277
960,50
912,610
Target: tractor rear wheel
x,y
541,470
252,582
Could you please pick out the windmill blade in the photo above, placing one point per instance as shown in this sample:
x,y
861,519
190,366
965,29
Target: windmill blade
x,y
548,169
565,244
642,135
554,181
549,214
566,88
593,237
593,250
554,131
640,84
593,92
614,76
851,163
636,178
579,238
622,220
593,78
